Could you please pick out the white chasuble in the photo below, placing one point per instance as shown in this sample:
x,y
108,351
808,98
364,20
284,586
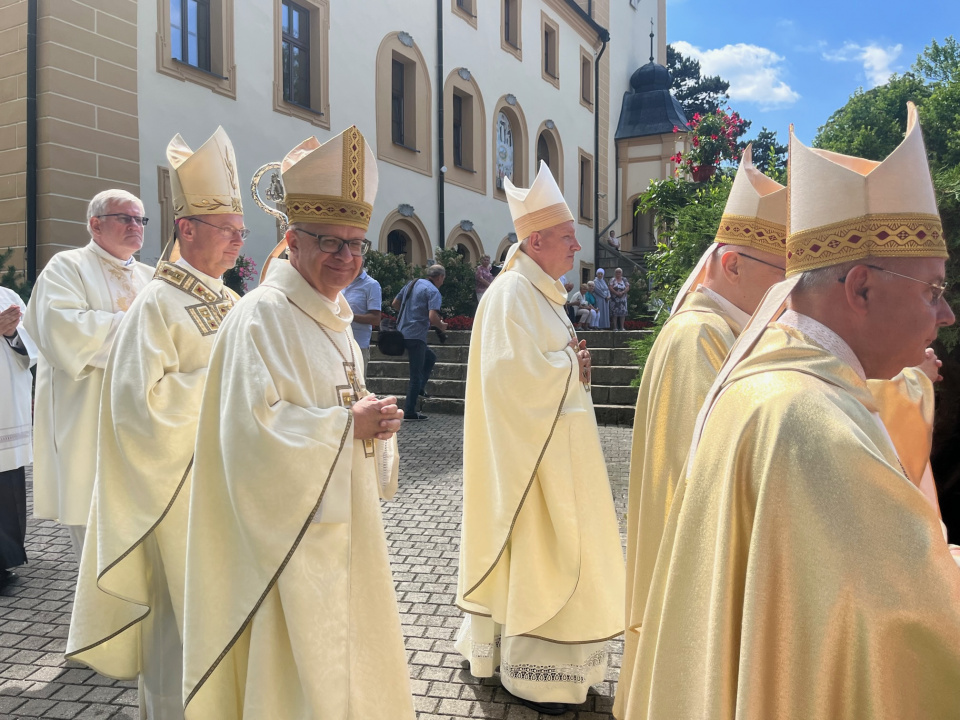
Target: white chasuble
x,y
540,554
290,609
73,316
16,384
153,384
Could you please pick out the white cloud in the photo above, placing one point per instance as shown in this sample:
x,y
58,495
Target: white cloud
x,y
877,60
752,71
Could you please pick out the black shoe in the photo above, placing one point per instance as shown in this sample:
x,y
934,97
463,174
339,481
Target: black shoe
x,y
8,578
425,395
546,708
415,416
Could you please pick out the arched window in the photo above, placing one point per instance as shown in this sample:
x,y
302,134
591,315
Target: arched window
x,y
403,104
465,129
405,235
510,143
465,242
550,150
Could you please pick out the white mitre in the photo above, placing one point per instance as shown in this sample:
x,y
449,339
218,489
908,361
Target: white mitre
x,y
539,207
334,183
845,208
204,182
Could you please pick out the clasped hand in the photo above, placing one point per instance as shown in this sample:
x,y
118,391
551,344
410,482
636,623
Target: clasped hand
x,y
583,359
9,319
377,418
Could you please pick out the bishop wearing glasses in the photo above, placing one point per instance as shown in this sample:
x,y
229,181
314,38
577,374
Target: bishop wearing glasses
x,y
73,315
290,610
128,612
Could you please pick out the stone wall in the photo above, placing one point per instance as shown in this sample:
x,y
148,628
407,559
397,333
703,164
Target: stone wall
x,y
13,128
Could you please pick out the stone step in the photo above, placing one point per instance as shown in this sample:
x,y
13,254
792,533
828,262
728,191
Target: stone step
x,y
614,395
445,354
454,337
398,386
594,338
381,369
606,414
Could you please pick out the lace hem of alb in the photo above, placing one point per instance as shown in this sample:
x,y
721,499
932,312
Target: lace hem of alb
x,y
555,673
484,650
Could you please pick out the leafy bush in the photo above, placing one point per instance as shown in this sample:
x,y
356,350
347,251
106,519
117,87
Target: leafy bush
x,y
391,271
236,277
11,278
459,288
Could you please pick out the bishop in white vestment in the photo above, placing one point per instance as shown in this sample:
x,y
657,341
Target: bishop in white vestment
x,y
128,613
73,316
541,568
290,609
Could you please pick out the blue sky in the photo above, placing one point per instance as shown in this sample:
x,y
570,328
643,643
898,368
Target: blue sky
x,y
799,61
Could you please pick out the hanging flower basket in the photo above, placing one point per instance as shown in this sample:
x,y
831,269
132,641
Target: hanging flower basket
x,y
703,173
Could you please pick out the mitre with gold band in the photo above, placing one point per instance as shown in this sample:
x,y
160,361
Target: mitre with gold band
x,y
845,208
755,216
333,183
538,207
204,182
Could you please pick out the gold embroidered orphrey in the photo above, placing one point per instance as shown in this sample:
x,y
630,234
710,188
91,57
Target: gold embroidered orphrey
x,y
900,235
754,232
212,308
349,394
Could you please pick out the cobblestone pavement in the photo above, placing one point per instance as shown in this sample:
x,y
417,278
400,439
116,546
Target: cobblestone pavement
x,y
423,531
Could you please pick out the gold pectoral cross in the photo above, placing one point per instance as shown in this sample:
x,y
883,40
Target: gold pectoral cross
x,y
349,394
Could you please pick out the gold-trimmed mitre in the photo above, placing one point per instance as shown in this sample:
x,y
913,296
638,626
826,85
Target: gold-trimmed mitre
x,y
204,182
334,183
539,207
756,211
845,208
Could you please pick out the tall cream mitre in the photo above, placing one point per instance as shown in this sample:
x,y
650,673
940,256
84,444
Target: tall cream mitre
x,y
756,211
845,208
334,183
540,207
204,182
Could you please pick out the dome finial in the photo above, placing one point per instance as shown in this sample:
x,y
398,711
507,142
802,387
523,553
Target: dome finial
x,y
651,39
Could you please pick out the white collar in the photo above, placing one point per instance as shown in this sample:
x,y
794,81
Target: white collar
x,y
824,337
215,284
736,314
113,259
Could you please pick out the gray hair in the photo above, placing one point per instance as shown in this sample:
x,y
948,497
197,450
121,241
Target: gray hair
x,y
102,200
814,280
435,271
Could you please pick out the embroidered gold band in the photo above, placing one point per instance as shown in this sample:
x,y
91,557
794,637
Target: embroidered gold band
x,y
541,219
328,209
208,314
903,235
753,232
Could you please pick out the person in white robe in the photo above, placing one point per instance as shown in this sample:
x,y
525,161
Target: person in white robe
x,y
18,354
128,612
73,316
290,610
541,575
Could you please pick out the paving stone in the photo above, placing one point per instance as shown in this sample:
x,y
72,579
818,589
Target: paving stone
x,y
422,525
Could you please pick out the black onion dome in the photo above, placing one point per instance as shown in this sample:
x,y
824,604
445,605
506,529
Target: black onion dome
x,y
651,77
649,108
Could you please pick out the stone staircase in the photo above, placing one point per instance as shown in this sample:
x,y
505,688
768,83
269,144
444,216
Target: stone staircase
x,y
613,398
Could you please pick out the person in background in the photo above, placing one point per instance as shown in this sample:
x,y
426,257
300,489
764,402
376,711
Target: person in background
x,y
586,315
602,293
19,354
421,300
619,287
484,276
614,241
590,300
365,298
73,316
569,307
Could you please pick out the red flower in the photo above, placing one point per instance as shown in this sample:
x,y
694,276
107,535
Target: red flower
x,y
713,137
676,129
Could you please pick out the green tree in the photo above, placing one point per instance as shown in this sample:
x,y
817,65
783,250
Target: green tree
x,y
695,92
940,63
769,156
872,123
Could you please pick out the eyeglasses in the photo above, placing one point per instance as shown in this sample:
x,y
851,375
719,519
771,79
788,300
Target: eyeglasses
x,y
127,219
937,291
762,262
332,245
225,230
